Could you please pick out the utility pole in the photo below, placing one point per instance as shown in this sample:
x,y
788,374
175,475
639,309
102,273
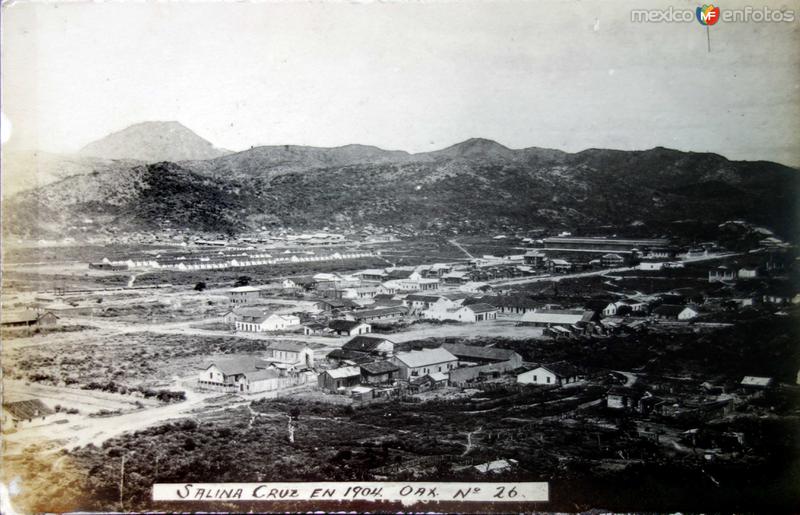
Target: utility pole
x,y
122,483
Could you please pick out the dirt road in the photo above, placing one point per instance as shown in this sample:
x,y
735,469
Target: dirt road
x,y
82,431
526,280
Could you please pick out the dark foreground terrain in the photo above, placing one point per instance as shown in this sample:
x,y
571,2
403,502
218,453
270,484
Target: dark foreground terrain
x,y
742,458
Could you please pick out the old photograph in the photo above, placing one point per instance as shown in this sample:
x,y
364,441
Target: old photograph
x,y
447,256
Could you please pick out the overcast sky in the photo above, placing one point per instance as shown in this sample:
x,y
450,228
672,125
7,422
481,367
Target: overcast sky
x,y
417,77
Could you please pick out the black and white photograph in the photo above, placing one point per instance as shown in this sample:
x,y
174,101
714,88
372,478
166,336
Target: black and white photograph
x,y
494,256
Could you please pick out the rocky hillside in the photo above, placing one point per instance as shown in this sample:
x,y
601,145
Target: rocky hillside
x,y
475,186
269,161
152,142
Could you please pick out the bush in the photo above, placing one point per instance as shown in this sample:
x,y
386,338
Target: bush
x,y
243,280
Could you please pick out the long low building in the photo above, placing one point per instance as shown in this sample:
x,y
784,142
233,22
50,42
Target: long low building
x,y
557,317
380,314
603,244
482,355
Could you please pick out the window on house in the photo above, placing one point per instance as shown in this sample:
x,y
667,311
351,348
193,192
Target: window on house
x,y
535,379
211,375
548,379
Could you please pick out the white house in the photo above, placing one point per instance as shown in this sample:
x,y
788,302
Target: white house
x,y
246,375
554,374
720,274
748,273
651,265
688,313
469,313
612,309
293,353
417,363
266,323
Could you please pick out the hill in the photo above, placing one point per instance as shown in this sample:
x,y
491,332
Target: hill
x,y
150,197
475,186
152,142
269,161
28,170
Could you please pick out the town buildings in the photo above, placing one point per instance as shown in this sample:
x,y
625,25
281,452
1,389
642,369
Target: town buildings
x,y
246,375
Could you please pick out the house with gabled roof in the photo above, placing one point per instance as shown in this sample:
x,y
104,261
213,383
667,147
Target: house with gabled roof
x,y
376,372
451,310
416,363
24,412
611,260
553,374
373,345
420,301
28,319
245,375
339,379
256,320
293,353
224,374
349,327
428,382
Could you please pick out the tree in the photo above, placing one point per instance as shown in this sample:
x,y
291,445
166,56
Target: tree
x,y
200,286
624,310
243,280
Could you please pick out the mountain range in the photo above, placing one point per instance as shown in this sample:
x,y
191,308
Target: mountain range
x,y
475,186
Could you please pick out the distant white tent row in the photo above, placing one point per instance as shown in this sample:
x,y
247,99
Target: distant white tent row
x,y
236,263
